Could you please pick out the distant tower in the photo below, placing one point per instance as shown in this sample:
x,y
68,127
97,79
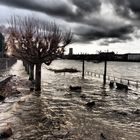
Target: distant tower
x,y
70,51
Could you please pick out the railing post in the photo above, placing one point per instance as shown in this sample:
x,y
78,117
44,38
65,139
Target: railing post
x,y
83,69
105,70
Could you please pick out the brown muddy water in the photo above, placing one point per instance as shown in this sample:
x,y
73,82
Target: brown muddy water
x,y
58,113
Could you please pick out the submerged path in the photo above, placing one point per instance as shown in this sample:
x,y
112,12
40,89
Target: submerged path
x,y
58,113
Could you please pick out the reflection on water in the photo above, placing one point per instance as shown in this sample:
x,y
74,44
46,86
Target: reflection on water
x,y
61,114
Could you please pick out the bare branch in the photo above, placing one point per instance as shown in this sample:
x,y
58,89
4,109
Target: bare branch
x,y
35,41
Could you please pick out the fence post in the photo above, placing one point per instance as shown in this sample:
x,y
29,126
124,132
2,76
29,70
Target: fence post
x,y
105,70
83,69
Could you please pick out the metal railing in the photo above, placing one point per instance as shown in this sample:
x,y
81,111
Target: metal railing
x,y
135,83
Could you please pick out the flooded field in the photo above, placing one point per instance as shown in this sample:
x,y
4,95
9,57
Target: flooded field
x,y
58,113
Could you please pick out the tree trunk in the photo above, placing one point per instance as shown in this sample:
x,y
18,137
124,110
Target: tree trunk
x,y
27,65
31,72
38,77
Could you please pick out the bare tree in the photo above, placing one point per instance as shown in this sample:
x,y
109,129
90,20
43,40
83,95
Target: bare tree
x,y
36,42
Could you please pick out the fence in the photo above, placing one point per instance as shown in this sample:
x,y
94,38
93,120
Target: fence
x,y
6,63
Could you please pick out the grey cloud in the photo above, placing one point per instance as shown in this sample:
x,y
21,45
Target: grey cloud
x,y
61,8
125,8
106,42
134,5
81,12
51,7
88,5
89,33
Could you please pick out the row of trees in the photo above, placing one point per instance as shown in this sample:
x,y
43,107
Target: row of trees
x,y
36,42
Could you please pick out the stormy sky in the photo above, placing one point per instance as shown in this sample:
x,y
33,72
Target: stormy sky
x,y
112,25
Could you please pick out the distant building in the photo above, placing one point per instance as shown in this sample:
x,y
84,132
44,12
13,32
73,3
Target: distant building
x,y
70,51
106,55
121,57
133,56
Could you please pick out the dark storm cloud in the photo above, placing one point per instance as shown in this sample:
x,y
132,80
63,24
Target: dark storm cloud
x,y
71,10
89,33
51,7
81,12
87,5
134,6
127,8
106,42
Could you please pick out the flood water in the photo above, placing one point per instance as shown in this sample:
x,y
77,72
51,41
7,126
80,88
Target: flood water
x,y
61,114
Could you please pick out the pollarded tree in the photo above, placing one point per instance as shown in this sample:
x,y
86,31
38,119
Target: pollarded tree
x,y
36,42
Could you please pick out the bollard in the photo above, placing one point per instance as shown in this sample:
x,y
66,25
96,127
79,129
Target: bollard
x,y
128,82
111,84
